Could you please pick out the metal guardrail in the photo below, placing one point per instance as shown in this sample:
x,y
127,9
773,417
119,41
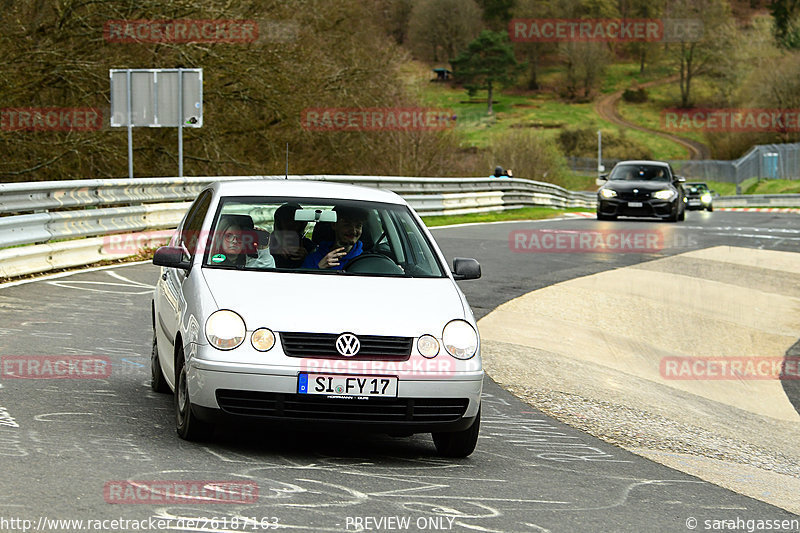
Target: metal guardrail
x,y
761,200
771,161
46,211
42,223
58,224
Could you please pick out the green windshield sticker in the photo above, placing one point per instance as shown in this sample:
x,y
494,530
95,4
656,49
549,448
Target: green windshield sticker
x,y
219,258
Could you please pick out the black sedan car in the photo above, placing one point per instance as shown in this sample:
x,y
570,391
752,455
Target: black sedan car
x,y
698,196
641,189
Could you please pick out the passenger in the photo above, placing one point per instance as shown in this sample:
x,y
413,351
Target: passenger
x,y
237,244
288,244
346,245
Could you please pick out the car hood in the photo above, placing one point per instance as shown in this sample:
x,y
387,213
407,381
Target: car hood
x,y
329,303
628,186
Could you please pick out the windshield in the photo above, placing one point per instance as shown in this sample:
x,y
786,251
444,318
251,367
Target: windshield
x,y
697,187
639,173
318,235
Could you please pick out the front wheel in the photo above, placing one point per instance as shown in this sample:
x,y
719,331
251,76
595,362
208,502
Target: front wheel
x,y
188,426
710,208
458,443
157,381
605,217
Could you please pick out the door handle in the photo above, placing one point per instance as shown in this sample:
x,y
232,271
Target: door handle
x,y
164,276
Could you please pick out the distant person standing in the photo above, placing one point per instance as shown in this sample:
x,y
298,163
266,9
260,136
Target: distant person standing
x,y
500,173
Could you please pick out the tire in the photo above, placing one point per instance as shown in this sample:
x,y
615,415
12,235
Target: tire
x,y
672,217
710,208
157,381
682,216
605,217
188,426
458,443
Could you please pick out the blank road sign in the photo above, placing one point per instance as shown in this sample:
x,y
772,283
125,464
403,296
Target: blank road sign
x,y
155,97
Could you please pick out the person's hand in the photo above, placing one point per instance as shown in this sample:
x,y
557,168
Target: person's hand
x,y
331,259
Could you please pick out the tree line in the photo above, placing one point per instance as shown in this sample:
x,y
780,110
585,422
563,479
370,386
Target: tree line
x,y
356,54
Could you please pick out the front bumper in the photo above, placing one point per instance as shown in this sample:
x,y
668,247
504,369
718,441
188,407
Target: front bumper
x,y
424,403
696,204
649,208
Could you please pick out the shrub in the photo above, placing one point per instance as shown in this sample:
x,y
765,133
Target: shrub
x,y
636,96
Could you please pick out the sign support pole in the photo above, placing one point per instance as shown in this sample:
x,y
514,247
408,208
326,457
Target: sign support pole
x,y
180,122
130,127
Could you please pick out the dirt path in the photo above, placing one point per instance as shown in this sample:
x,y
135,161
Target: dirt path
x,y
606,107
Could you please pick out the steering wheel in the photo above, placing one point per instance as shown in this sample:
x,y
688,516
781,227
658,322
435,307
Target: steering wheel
x,y
373,263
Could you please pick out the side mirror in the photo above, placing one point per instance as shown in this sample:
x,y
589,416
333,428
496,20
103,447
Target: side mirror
x,y
680,179
466,268
601,179
172,257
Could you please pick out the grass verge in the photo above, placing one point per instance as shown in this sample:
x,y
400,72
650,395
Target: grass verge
x,y
756,186
526,213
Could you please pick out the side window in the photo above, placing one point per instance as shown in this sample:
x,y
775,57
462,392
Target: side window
x,y
190,233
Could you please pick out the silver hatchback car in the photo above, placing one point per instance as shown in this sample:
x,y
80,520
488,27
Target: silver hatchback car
x,y
317,305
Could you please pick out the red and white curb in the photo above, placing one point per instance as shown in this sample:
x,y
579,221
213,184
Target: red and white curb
x,y
583,214
761,209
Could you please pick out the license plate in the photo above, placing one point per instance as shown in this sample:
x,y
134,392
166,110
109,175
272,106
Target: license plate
x,y
340,385
694,202
634,204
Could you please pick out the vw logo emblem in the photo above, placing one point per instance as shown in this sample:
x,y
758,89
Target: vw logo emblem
x,y
635,191
347,344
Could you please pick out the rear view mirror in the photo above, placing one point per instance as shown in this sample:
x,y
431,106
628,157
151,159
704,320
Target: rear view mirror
x,y
466,268
314,215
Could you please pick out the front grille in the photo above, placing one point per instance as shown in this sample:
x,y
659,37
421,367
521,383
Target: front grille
x,y
631,196
323,345
313,407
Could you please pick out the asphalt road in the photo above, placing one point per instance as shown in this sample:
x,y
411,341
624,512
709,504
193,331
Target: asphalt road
x,y
63,442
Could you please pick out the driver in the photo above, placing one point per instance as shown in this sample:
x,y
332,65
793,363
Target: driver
x,y
346,245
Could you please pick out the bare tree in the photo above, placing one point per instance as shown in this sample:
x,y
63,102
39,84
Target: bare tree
x,y
695,55
585,64
440,29
313,53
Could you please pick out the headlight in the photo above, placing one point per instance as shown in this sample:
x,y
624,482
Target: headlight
x,y
428,346
225,330
706,198
263,339
460,339
608,193
666,194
